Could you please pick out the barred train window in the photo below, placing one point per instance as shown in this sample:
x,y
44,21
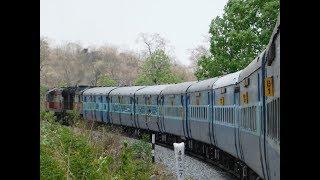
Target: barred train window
x,y
273,119
198,112
175,111
224,114
248,118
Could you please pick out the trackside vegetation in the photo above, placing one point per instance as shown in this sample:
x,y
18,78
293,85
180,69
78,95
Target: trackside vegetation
x,y
86,151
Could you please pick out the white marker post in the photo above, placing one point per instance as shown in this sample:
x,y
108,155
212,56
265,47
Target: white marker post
x,y
153,146
179,155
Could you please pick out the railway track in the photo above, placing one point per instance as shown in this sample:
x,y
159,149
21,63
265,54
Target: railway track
x,y
138,134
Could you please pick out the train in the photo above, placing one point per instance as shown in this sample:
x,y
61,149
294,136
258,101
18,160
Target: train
x,y
233,119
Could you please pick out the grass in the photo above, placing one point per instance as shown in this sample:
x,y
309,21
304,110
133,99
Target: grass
x,y
86,151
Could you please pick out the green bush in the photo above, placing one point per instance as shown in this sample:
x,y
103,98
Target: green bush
x,y
133,166
47,116
43,90
69,118
66,153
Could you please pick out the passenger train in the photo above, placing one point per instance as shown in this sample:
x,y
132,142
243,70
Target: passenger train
x,y
233,119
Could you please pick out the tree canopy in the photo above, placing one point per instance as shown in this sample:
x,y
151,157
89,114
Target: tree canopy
x,y
238,36
105,80
157,70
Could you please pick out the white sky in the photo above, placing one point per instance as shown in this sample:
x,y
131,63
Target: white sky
x,y
118,22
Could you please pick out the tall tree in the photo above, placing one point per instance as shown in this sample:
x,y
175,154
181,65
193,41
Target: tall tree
x,y
44,54
157,70
152,42
238,36
105,80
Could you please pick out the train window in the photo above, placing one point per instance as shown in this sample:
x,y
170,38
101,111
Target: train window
x,y
198,112
248,118
175,111
273,119
225,114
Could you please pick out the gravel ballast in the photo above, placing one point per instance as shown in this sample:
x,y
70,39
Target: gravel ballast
x,y
194,168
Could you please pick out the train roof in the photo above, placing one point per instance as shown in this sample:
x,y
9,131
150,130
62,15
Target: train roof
x,y
252,67
270,49
177,88
80,91
98,90
69,90
126,91
202,85
227,80
52,90
275,30
152,90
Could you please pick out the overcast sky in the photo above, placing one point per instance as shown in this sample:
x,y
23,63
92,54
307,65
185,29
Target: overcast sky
x,y
118,22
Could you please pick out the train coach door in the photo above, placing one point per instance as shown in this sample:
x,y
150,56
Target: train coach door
x,y
161,113
101,107
236,130
158,109
131,111
210,117
187,124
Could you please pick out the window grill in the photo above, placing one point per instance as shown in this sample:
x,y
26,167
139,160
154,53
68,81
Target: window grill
x,y
249,117
173,111
225,114
198,112
273,119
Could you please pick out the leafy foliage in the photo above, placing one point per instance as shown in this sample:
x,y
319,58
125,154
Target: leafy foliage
x,y
71,63
69,118
47,116
106,81
43,90
62,84
238,36
157,70
65,154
